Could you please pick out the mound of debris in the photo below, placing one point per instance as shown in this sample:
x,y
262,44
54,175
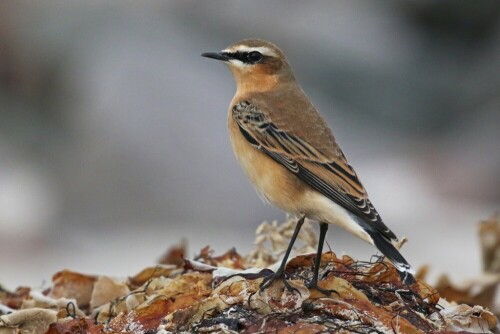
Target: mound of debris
x,y
220,294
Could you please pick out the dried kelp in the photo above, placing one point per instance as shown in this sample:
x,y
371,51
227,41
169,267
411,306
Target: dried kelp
x,y
221,294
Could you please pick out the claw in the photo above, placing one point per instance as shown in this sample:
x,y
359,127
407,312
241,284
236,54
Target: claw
x,y
290,288
314,285
266,283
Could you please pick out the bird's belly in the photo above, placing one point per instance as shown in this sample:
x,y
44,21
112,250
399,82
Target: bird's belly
x,y
323,209
272,181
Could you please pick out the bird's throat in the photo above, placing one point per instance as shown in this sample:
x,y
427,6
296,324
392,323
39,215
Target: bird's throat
x,y
254,81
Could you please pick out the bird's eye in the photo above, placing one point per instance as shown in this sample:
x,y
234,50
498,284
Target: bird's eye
x,y
255,56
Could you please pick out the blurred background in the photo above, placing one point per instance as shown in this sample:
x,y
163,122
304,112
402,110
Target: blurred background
x,y
113,140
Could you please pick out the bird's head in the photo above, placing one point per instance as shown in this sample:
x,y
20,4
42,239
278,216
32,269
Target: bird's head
x,y
256,64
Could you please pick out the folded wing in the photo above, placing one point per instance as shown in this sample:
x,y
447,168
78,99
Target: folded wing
x,y
326,172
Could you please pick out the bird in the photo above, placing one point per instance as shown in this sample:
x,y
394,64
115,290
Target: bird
x,y
290,155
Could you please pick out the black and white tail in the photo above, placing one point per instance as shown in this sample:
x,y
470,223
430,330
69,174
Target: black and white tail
x,y
386,247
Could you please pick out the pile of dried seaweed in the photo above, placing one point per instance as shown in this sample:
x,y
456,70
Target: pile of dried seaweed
x,y
220,294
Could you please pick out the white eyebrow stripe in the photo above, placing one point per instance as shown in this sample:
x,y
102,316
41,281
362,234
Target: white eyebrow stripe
x,y
245,48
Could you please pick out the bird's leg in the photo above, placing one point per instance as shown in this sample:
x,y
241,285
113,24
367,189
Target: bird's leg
x,y
313,283
280,273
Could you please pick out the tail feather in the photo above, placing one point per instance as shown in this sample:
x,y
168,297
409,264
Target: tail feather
x,y
386,247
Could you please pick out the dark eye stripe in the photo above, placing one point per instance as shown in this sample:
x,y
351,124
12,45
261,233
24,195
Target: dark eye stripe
x,y
241,56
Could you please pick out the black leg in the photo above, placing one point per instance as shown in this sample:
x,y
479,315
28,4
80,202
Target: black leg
x,y
281,270
313,284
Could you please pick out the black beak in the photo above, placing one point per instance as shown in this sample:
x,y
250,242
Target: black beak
x,y
216,55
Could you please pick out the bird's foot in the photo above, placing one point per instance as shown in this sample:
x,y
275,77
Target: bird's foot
x,y
313,284
278,275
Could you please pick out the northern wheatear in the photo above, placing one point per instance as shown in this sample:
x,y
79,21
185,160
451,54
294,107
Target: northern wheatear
x,y
289,153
